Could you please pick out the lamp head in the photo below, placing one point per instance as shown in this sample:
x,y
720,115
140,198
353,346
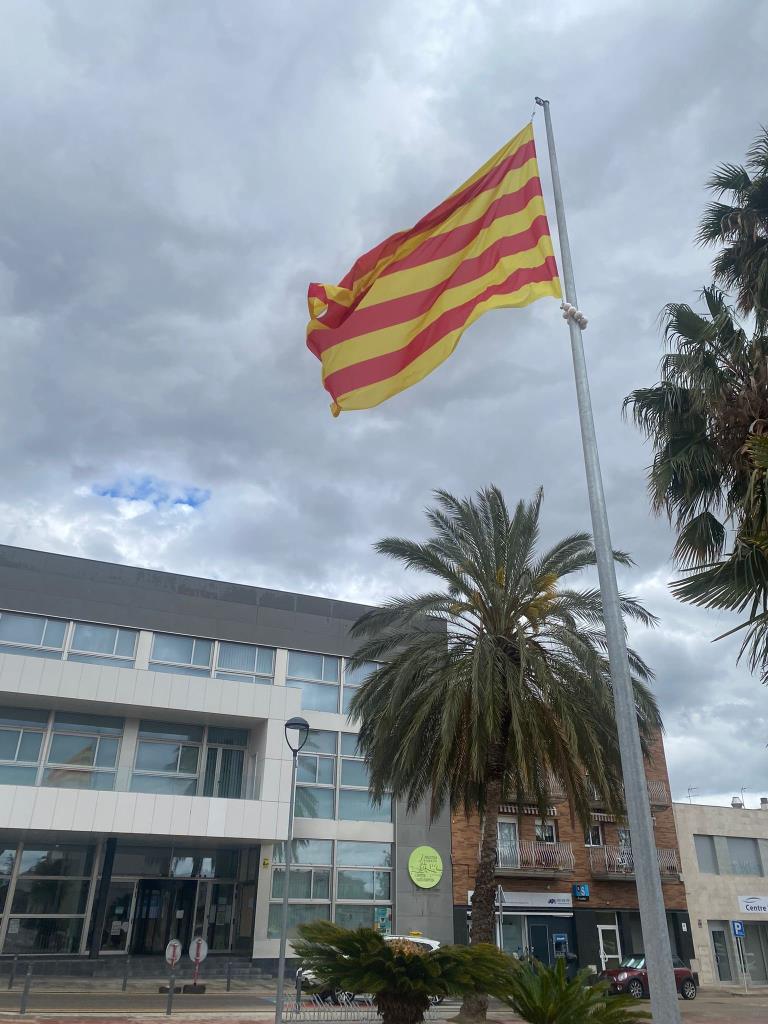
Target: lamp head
x,y
296,733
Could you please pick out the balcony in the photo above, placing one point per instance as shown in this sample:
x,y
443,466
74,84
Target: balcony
x,y
658,794
618,862
544,860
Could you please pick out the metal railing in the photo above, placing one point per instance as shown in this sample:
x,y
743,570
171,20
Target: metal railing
x,y
658,793
619,860
527,856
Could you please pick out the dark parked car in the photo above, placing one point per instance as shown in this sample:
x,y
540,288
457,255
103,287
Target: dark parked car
x,y
631,977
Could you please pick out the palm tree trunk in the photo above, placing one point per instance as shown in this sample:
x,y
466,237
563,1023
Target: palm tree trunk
x,y
474,1008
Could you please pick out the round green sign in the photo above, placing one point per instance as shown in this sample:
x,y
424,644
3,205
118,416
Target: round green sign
x,y
425,866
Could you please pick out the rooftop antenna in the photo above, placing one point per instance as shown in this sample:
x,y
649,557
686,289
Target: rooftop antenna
x,y
692,792
743,791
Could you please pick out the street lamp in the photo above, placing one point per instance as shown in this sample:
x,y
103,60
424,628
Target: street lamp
x,y
296,733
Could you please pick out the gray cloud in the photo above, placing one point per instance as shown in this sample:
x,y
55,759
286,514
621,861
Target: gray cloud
x,y
174,176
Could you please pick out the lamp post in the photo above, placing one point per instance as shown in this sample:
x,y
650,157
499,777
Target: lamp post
x,y
296,732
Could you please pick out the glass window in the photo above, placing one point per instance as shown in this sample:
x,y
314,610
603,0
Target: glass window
x,y
354,885
43,935
174,785
353,678
166,757
151,861
545,832
316,696
364,854
320,742
64,861
245,660
314,802
163,730
354,805
354,773
312,768
350,916
594,835
183,652
89,638
706,854
49,896
20,745
349,744
66,721
13,775
35,630
77,750
20,717
298,913
228,737
306,884
744,856
76,778
306,851
303,668
7,860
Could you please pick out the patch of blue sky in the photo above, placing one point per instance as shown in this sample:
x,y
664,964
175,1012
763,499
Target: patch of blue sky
x,y
156,492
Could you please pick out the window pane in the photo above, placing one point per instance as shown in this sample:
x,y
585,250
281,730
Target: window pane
x,y
157,757
306,770
347,701
298,913
100,659
68,778
317,696
166,731
358,917
321,885
45,896
43,935
30,652
364,854
11,775
201,655
77,750
166,647
68,721
126,643
331,669
237,657
354,885
21,629
349,744
163,784
94,639
320,742
382,880
354,805
16,717
54,633
325,766
228,737
179,670
312,802
356,676
265,660
305,851
7,858
57,860
188,760
29,748
354,773
745,859
9,741
106,755
150,861
706,855
305,666
301,884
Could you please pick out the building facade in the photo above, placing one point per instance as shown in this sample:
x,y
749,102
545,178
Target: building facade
x,y
562,892
724,854
145,776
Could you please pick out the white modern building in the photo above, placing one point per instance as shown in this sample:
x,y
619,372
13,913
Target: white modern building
x,y
724,858
145,776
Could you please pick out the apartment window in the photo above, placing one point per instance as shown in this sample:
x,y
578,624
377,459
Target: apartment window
x,y
317,676
744,856
316,776
185,654
83,751
706,855
21,741
353,679
310,885
102,645
167,759
594,835
545,831
48,908
245,663
354,801
33,635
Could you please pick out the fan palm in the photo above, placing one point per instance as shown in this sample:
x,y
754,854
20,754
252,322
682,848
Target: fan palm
x,y
400,975
740,226
497,680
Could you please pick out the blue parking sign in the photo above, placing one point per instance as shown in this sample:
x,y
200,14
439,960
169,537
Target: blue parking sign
x,y
738,929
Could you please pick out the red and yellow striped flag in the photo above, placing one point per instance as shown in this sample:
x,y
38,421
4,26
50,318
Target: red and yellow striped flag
x,y
402,308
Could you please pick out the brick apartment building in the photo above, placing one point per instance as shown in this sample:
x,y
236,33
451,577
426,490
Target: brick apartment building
x,y
562,891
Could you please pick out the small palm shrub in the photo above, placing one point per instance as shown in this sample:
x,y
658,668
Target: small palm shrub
x,y
400,975
545,995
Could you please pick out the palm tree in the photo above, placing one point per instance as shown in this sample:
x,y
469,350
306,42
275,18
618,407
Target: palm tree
x,y
494,681
741,228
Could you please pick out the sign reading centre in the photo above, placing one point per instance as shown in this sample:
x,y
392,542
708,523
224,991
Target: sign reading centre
x,y
425,866
753,904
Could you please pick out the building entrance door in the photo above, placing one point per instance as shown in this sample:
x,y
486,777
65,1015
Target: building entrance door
x,y
224,772
539,936
610,947
164,910
720,950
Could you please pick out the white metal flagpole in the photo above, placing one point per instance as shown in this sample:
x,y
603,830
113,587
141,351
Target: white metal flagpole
x,y
653,918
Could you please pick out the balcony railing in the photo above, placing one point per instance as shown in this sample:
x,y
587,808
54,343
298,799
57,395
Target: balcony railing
x,y
526,857
658,794
619,862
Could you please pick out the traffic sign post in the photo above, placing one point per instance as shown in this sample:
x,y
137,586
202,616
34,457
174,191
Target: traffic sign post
x,y
738,934
198,951
172,957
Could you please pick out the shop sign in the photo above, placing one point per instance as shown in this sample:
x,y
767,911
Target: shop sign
x,y
580,891
425,866
753,904
549,900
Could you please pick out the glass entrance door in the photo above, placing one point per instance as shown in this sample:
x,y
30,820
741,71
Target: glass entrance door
x,y
720,950
164,911
610,947
224,772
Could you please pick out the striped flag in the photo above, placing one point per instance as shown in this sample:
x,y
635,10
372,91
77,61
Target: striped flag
x,y
402,308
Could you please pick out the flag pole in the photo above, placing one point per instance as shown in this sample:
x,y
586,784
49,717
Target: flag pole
x,y
653,917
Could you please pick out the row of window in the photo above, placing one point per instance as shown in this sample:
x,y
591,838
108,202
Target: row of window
x,y
743,856
348,882
546,832
77,751
332,780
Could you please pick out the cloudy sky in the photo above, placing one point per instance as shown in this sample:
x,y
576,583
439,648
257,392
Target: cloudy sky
x,y
174,174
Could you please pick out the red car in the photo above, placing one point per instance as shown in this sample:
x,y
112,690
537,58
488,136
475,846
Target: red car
x,y
631,977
